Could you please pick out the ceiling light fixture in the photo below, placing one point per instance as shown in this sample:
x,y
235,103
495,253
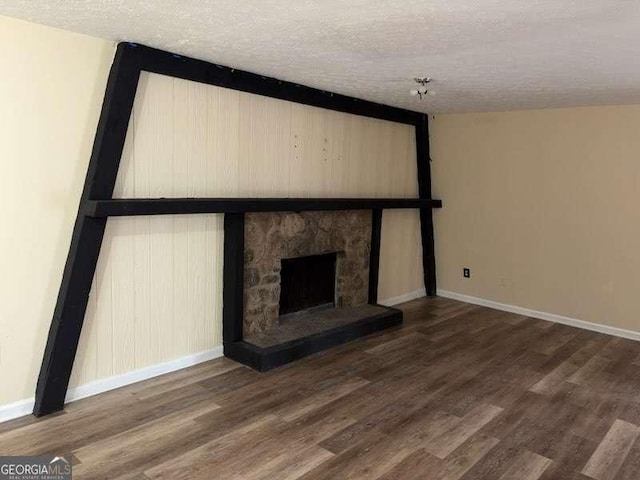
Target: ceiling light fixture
x,y
422,90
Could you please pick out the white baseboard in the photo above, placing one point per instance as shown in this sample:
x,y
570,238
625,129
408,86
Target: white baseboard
x,y
551,317
16,409
25,407
390,302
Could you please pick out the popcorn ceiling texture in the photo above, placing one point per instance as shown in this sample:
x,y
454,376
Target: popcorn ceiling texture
x,y
483,55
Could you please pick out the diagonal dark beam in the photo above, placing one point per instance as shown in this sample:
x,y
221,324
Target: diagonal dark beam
x,y
86,239
165,63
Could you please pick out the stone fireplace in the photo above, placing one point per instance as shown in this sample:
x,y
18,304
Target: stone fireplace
x,y
274,238
299,282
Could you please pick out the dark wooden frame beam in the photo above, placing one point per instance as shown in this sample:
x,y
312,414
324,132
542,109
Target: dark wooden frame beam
x,y
165,63
176,206
423,158
86,239
96,202
233,278
374,254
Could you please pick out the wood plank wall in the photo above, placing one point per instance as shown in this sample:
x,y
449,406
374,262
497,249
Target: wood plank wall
x,y
157,292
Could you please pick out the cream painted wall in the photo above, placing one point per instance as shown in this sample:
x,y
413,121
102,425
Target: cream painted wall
x,y
543,207
51,89
157,291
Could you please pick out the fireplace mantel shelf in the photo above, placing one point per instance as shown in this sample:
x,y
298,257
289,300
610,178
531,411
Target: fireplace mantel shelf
x,y
172,206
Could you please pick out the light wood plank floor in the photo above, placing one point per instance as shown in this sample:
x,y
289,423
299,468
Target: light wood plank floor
x,y
457,392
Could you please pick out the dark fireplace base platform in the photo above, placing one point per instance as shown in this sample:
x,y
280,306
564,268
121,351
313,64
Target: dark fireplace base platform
x,y
300,335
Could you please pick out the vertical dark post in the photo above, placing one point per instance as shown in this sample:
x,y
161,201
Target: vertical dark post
x,y
374,255
426,214
86,239
233,278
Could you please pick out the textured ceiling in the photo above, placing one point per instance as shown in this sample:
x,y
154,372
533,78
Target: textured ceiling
x,y
482,55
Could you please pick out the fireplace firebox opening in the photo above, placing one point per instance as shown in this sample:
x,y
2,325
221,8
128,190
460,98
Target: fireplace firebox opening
x,y
307,283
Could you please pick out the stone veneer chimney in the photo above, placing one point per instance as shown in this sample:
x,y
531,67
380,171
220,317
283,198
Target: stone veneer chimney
x,y
272,236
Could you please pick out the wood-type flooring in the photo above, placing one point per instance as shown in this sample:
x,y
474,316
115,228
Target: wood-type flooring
x,y
457,392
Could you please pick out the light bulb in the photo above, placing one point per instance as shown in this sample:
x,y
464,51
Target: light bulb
x,y
414,92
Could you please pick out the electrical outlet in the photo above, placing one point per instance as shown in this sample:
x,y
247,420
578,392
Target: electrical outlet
x,y
466,273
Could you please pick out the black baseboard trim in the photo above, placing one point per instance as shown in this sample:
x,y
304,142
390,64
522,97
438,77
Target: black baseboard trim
x,y
263,359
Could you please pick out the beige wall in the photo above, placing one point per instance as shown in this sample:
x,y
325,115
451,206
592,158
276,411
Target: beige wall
x,y
156,294
51,89
157,291
543,206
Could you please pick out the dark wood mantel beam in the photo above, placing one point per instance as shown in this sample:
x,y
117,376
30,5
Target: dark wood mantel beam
x,y
173,206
